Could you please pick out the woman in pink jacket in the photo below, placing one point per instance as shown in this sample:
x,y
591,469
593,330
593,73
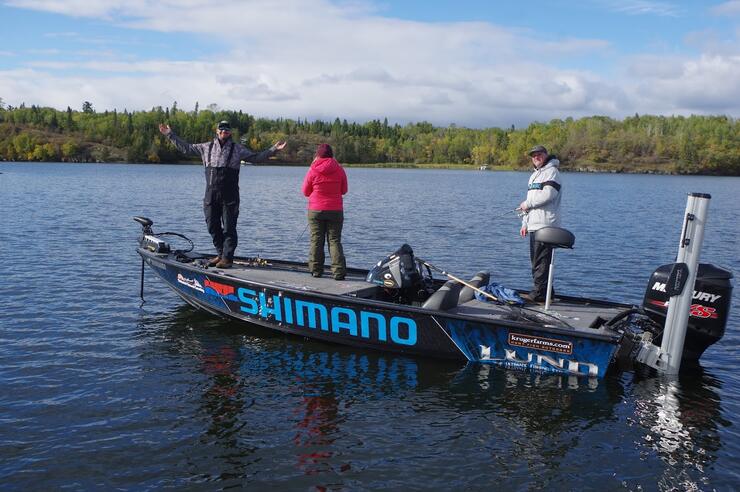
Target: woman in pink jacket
x,y
324,185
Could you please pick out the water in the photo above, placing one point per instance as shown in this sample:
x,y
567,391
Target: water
x,y
98,392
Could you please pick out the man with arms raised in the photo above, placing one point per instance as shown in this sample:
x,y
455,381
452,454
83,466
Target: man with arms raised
x,y
221,158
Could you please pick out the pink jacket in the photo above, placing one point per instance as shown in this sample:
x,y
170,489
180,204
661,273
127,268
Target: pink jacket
x,y
324,184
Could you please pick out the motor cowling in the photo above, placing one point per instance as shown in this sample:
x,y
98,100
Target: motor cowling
x,y
710,306
397,270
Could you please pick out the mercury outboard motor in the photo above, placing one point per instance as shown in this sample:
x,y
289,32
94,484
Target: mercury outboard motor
x,y
710,306
396,271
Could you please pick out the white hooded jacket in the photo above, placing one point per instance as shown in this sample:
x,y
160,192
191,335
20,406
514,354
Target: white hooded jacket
x,y
543,197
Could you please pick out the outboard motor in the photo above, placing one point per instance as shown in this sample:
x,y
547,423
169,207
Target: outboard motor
x,y
710,306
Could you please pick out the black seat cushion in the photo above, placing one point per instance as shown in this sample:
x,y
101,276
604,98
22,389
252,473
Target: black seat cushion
x,y
557,237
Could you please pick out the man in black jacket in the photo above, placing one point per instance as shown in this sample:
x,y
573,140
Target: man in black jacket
x,y
221,158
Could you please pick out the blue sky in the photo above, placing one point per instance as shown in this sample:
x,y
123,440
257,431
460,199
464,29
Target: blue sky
x,y
472,63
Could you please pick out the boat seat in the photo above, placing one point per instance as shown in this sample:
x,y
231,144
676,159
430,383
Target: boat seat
x,y
445,298
557,237
466,293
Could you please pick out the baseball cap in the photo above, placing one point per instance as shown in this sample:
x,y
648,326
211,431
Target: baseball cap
x,y
536,149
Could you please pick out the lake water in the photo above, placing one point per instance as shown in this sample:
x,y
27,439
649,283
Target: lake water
x,y
98,391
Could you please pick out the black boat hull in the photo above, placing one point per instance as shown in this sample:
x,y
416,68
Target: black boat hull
x,y
368,324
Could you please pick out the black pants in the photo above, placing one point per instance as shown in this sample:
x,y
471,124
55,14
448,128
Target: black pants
x,y
540,254
221,209
326,225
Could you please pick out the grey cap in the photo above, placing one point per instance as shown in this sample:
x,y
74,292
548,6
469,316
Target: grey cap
x,y
224,125
536,149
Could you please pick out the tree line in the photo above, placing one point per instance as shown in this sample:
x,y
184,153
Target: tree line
x,y
640,143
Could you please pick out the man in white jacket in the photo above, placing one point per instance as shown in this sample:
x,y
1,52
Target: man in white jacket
x,y
541,209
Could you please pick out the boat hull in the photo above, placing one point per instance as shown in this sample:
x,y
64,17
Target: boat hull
x,y
385,326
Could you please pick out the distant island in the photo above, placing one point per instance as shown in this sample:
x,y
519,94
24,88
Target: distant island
x,y
708,145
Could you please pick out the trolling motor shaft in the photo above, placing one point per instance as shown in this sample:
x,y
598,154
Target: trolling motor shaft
x,y
146,225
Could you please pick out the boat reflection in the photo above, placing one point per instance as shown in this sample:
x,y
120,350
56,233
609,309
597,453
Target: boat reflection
x,y
296,403
549,403
317,418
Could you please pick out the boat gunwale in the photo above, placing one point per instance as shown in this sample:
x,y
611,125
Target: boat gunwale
x,y
610,337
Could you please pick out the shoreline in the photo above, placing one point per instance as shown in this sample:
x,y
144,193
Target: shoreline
x,y
607,169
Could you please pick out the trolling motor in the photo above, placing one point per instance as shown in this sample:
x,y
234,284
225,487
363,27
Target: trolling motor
x,y
146,226
146,223
148,240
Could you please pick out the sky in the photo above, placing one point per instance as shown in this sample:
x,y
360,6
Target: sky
x,y
471,63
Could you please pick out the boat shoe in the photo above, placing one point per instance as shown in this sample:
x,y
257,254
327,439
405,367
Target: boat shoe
x,y
533,297
214,261
538,298
224,263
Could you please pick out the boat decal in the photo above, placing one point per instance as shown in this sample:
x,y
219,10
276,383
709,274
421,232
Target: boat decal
x,y
541,343
189,282
696,310
221,290
697,294
701,311
658,303
534,352
462,350
540,362
342,320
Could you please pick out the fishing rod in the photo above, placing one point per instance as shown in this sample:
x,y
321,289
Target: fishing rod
x,y
491,296
518,211
302,233
452,277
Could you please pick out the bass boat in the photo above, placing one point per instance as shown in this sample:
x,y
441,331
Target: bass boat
x,y
400,306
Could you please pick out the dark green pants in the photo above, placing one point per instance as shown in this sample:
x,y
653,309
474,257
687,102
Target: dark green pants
x,y
325,225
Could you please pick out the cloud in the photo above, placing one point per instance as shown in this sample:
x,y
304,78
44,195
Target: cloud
x,y
731,8
704,85
316,59
74,8
68,34
711,42
643,7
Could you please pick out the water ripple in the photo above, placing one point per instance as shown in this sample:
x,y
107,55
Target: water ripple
x,y
98,391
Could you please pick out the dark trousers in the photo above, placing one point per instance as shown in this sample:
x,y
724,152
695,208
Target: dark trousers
x,y
540,254
325,225
222,211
